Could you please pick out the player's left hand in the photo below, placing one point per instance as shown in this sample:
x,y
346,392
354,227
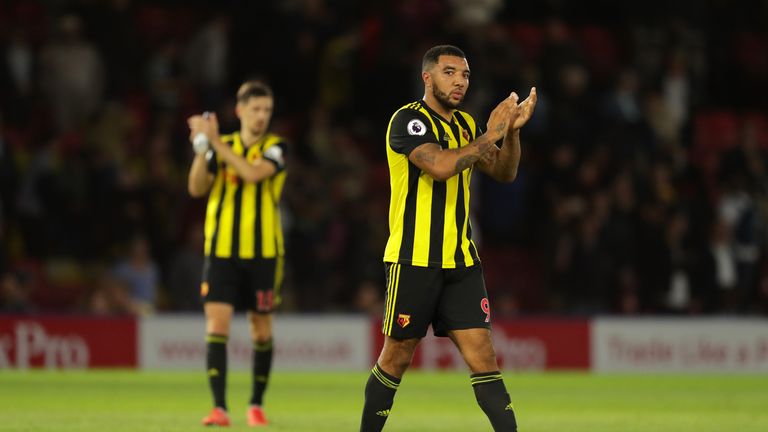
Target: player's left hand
x,y
525,110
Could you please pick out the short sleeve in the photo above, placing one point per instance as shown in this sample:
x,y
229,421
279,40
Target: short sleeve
x,y
276,154
409,129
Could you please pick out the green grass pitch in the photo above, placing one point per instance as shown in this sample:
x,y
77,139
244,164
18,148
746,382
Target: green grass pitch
x,y
115,401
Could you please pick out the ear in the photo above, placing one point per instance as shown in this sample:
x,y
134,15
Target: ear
x,y
427,78
237,110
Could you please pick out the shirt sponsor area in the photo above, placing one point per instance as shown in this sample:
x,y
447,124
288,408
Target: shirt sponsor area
x,y
67,342
520,345
680,345
301,343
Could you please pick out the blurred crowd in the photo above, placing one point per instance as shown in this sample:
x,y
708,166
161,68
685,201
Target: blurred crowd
x,y
642,189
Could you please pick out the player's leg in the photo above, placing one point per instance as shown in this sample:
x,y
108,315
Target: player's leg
x,y
217,317
265,280
465,318
218,293
395,357
261,335
411,296
476,347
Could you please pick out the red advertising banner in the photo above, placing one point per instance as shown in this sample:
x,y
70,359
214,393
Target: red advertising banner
x,y
528,344
67,342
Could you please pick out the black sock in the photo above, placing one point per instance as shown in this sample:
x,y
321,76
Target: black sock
x,y
379,394
216,365
262,363
494,400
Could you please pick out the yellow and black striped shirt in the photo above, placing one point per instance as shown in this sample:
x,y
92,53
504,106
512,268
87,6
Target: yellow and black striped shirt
x,y
428,219
243,218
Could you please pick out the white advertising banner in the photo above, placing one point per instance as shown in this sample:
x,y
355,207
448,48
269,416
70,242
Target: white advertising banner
x,y
680,345
301,342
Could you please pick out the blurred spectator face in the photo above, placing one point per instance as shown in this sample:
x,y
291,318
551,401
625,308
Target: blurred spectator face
x,y
449,80
564,156
139,251
14,297
70,27
624,192
678,226
628,82
368,299
255,113
574,79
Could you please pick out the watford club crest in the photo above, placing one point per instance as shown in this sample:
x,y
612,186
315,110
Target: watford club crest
x,y
403,320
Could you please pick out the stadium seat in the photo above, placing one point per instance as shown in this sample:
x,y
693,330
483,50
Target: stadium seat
x,y
716,131
749,50
530,39
600,50
759,122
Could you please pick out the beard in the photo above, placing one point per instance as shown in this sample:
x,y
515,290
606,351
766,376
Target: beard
x,y
444,99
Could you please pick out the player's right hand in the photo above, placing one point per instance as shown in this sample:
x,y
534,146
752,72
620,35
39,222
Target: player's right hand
x,y
501,116
203,123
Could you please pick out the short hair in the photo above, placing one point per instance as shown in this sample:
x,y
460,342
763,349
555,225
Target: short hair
x,y
433,54
253,88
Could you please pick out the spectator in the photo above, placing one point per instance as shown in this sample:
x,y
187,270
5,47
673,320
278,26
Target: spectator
x,y
110,296
72,74
94,97
184,272
14,294
139,273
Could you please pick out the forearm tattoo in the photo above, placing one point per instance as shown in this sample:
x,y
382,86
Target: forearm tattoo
x,y
466,162
483,147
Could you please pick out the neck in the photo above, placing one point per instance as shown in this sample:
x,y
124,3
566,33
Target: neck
x,y
248,138
437,107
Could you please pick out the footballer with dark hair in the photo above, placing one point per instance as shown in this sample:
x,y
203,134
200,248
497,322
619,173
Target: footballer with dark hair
x,y
433,270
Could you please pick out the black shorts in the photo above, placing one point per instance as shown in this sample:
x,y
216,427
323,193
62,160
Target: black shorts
x,y
448,299
247,284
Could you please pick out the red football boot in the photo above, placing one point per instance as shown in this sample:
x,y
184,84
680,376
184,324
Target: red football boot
x,y
217,417
256,416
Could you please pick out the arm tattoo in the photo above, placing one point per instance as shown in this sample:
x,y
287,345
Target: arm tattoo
x,y
483,148
466,162
490,157
501,127
426,157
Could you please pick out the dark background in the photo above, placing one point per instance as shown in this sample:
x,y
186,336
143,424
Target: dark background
x,y
642,188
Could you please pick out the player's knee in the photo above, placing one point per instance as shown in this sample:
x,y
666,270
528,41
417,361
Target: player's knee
x,y
397,361
481,361
261,328
401,362
263,338
396,356
218,327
